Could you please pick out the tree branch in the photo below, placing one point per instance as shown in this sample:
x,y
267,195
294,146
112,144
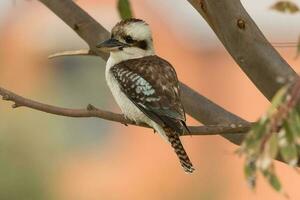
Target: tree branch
x,y
246,44
92,111
195,104
228,125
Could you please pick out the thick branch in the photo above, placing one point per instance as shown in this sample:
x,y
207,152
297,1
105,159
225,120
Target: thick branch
x,y
91,111
195,104
246,44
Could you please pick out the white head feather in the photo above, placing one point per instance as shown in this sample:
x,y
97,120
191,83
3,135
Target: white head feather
x,y
138,30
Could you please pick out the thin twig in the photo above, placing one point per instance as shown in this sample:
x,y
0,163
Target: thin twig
x,y
92,111
81,52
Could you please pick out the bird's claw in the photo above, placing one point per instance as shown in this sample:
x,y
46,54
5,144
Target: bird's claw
x,y
90,107
126,119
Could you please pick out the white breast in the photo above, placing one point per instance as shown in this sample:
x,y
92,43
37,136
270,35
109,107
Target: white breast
x,y
128,108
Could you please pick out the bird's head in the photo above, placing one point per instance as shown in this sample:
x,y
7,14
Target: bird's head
x,y
131,37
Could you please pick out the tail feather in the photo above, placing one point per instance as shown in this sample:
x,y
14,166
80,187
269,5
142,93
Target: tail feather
x,y
179,150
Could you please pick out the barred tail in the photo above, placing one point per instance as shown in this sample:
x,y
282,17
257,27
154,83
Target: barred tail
x,y
182,155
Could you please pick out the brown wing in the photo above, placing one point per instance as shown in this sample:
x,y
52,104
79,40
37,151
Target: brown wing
x,y
151,83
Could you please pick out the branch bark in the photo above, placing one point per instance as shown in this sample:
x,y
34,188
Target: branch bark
x,y
196,105
246,44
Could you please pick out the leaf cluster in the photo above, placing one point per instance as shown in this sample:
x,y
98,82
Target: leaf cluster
x,y
276,134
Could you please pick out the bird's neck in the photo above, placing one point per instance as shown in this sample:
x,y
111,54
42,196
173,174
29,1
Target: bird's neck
x,y
127,54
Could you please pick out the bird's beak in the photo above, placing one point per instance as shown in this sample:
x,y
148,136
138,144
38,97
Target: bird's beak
x,y
111,45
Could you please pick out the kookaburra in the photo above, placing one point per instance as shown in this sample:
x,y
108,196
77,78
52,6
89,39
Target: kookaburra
x,y
144,85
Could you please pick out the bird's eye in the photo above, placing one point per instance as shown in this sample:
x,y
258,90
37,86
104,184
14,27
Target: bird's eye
x,y
128,39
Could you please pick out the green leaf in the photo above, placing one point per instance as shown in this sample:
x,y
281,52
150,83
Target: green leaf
x,y
287,141
252,143
277,100
273,146
273,179
124,9
294,124
250,172
289,154
258,129
295,120
289,128
285,7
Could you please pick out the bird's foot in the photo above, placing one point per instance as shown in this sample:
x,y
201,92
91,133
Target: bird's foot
x,y
126,120
90,107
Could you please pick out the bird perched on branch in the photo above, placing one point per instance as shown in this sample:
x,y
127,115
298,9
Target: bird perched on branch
x,y
144,85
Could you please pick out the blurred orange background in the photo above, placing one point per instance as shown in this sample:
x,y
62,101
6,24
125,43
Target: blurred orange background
x,y
43,156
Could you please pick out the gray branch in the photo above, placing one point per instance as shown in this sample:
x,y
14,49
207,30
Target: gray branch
x,y
246,44
195,104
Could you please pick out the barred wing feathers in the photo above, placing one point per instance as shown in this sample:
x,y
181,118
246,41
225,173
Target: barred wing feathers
x,y
151,84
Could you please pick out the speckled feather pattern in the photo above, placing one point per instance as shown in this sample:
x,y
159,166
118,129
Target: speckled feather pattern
x,y
147,91
146,87
151,83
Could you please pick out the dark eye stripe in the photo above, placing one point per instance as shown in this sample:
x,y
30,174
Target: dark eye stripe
x,y
129,39
142,44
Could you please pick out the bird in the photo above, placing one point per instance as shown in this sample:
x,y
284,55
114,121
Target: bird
x,y
144,85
